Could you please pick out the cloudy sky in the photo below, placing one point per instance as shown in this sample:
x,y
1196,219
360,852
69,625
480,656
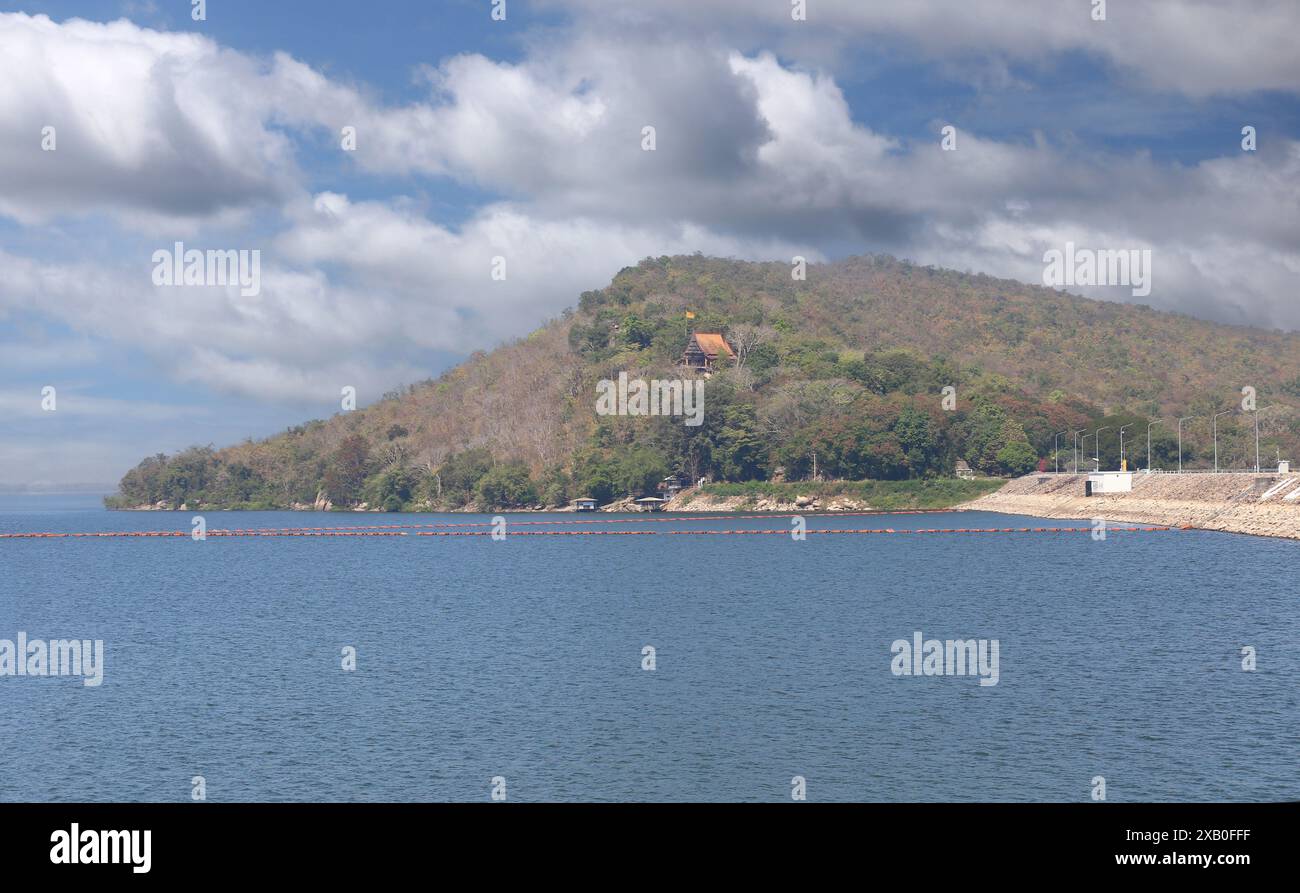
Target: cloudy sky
x,y
522,138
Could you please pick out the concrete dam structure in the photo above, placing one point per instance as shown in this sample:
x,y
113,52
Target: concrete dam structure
x,y
1264,504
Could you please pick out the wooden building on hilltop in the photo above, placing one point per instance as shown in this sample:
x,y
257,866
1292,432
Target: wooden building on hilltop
x,y
705,349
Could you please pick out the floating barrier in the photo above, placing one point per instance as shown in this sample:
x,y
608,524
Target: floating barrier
x,y
540,533
341,532
325,532
702,516
123,534
810,531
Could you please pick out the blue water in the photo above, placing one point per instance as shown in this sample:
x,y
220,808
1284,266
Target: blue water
x,y
522,659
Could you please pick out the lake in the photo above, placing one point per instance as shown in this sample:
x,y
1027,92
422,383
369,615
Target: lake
x,y
522,659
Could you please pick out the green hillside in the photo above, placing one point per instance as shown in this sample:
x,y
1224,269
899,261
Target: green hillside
x,y
845,370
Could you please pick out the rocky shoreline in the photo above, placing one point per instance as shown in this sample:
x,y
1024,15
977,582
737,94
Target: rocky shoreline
x,y
1265,504
704,502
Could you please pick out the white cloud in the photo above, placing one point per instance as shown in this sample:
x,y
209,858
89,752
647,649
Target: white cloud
x,y
756,158
1198,48
150,126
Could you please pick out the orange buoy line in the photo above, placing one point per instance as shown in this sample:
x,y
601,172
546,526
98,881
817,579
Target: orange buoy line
x,y
341,530
121,534
811,531
637,520
540,533
325,531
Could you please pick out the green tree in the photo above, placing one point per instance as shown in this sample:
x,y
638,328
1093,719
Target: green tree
x,y
1017,458
506,486
638,471
636,331
918,441
461,472
393,489
740,453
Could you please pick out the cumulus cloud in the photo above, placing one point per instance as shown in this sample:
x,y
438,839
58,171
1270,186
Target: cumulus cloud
x,y
1198,48
756,157
147,125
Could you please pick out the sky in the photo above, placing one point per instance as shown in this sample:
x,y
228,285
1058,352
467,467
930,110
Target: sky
x,y
380,157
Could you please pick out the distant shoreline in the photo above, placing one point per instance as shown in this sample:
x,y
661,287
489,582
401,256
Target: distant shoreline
x,y
756,496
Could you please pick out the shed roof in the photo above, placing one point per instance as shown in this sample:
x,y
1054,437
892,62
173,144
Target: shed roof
x,y
713,344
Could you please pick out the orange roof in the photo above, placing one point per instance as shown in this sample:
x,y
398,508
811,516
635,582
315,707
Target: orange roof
x,y
713,344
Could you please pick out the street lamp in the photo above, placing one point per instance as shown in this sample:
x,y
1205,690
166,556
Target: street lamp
x,y
1122,466
1056,450
1149,424
1216,437
1096,445
1180,440
1076,449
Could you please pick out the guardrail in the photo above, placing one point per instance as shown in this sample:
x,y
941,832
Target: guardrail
x,y
1185,471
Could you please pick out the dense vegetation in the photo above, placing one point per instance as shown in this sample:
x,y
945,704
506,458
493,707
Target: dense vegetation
x,y
926,493
840,377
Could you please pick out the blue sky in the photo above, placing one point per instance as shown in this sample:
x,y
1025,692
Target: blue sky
x,y
521,139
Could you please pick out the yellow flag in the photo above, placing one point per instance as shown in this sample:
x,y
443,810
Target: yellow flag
x,y
690,314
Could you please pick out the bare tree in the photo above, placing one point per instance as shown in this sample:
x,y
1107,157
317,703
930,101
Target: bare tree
x,y
745,338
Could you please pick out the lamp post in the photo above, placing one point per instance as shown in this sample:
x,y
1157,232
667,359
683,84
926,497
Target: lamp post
x,y
1056,450
1076,449
1149,424
1122,466
1096,445
1216,437
1180,440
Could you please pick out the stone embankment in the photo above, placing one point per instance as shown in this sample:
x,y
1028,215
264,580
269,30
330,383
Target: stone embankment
x,y
1266,504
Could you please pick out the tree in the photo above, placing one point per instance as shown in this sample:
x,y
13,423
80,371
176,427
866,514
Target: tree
x,y
740,453
393,489
506,486
639,470
635,331
1017,458
347,471
461,472
916,437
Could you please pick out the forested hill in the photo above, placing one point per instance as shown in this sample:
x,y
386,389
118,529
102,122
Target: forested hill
x,y
847,366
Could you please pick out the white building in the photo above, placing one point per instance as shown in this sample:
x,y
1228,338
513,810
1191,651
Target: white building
x,y
1108,482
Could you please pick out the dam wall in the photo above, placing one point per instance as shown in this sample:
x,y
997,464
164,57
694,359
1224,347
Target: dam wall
x,y
1263,504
